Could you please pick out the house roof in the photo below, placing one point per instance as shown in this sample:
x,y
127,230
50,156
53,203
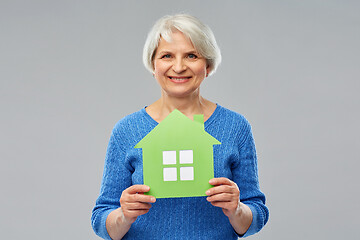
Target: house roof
x,y
178,130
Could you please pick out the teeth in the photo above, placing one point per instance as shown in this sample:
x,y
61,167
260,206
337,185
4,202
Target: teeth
x,y
179,79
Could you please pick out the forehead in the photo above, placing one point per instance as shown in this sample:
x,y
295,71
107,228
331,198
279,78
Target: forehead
x,y
177,41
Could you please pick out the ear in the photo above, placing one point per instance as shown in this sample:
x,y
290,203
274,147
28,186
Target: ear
x,y
208,70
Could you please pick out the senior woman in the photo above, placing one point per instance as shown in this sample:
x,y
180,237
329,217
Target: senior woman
x,y
181,52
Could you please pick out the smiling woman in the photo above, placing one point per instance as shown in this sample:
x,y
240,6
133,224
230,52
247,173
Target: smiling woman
x,y
178,67
199,34
181,52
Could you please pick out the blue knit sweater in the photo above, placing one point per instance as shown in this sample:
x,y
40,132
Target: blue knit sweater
x,y
182,218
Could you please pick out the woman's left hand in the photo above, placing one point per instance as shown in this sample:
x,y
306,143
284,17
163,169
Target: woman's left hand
x,y
224,194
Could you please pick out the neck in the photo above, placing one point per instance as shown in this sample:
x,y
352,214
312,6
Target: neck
x,y
189,106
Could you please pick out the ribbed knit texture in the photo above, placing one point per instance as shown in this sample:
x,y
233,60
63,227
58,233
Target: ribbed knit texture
x,y
182,218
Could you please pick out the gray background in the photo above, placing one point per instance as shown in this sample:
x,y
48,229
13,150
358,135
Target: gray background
x,y
69,70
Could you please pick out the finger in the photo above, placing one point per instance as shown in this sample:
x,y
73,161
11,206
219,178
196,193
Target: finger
x,y
141,198
138,189
224,197
221,189
220,181
136,206
225,205
135,213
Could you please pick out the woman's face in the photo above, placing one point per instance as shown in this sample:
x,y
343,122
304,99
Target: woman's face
x,y
178,67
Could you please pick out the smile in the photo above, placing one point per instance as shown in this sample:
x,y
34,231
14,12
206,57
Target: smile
x,y
179,79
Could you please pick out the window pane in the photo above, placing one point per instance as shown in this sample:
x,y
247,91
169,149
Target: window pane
x,y
170,174
186,156
169,157
186,173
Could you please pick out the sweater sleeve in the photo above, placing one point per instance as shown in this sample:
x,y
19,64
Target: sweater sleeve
x,y
116,178
245,173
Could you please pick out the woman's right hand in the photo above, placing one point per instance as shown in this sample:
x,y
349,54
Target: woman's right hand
x,y
134,203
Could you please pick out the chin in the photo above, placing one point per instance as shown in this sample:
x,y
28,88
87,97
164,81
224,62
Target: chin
x,y
182,94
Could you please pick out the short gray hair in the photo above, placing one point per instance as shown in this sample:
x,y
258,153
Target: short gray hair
x,y
199,34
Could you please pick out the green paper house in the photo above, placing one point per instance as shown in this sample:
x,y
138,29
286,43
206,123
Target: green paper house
x,y
178,157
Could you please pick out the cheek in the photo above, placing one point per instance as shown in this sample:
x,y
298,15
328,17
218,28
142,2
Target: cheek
x,y
201,71
159,68
158,74
200,68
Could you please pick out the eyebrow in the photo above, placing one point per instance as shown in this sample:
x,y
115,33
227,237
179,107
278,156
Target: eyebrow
x,y
168,51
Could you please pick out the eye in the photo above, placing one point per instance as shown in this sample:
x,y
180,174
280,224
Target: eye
x,y
192,56
166,56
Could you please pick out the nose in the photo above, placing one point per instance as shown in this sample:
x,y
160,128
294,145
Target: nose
x,y
179,65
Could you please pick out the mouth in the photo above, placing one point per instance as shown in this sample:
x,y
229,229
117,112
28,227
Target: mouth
x,y
179,79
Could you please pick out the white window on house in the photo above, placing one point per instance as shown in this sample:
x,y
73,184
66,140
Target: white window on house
x,y
170,174
186,157
169,157
186,173
171,165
